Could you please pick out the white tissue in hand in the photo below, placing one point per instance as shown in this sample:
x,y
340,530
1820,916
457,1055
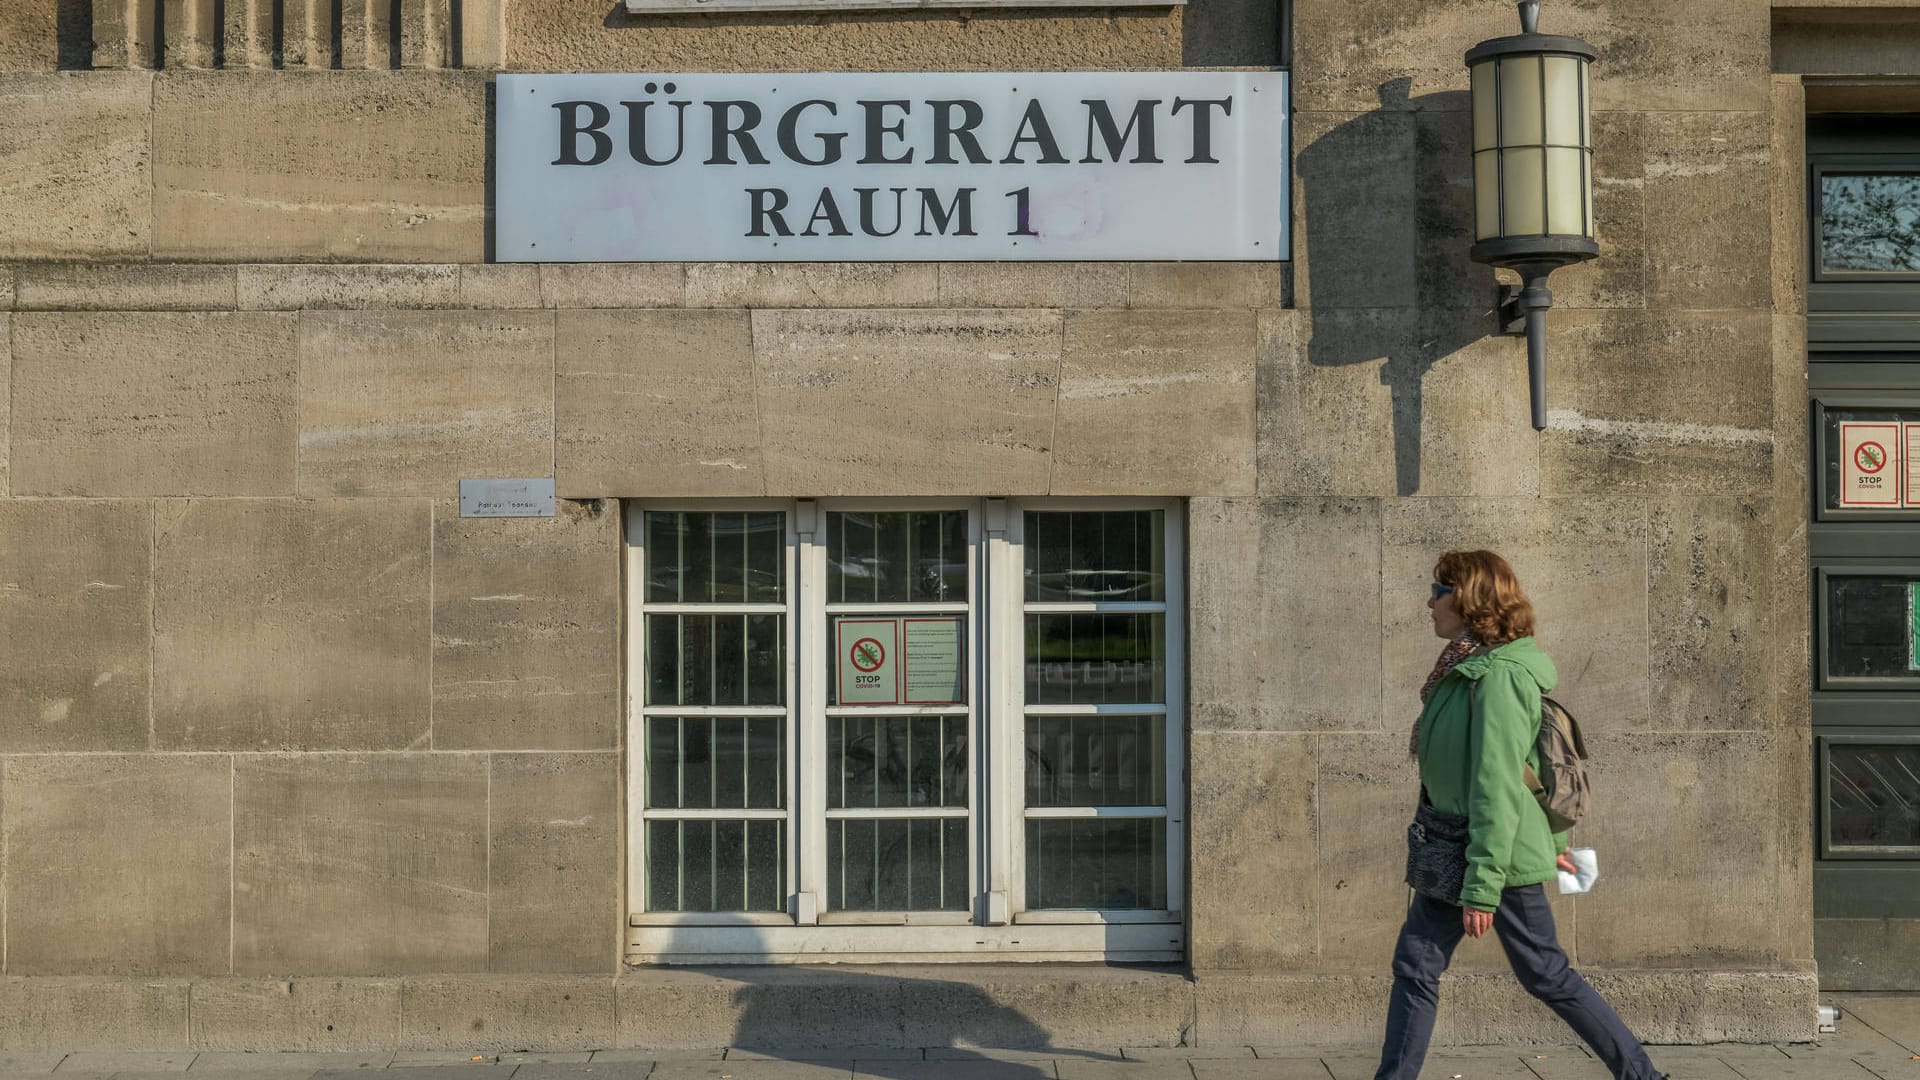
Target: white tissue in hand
x,y
1588,866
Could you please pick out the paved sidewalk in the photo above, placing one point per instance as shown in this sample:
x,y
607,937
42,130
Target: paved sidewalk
x,y
1879,1039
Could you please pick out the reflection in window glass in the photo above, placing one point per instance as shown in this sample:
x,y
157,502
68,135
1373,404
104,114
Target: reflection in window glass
x,y
1870,222
1096,761
1096,555
889,761
1096,659
716,762
1097,863
716,866
716,659
1867,627
737,558
1873,795
897,864
892,558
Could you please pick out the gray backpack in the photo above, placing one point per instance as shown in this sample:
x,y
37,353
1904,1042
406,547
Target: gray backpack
x,y
1561,787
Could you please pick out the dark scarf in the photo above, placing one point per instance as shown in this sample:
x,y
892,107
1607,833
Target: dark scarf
x,y
1457,650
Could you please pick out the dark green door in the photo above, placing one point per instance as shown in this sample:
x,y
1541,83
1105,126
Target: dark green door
x,y
1863,330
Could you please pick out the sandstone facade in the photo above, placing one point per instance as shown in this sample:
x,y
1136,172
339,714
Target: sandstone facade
x,y
364,758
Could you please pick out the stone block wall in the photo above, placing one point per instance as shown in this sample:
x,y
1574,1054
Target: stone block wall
x,y
291,755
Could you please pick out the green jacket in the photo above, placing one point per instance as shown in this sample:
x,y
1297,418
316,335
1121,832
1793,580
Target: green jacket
x,y
1475,732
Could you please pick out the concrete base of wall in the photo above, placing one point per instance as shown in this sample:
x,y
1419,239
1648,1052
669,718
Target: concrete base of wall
x,y
820,1006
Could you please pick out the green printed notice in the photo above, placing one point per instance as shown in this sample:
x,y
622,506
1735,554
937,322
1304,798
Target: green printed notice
x,y
935,661
1913,626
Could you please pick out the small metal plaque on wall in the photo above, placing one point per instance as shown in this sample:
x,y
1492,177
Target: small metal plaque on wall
x,y
507,498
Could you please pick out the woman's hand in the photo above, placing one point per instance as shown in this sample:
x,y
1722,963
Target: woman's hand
x,y
1476,922
1564,862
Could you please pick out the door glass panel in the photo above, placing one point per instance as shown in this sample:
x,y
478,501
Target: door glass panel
x,y
897,864
1871,458
1873,795
1096,760
716,866
1097,863
1870,222
900,557
1869,627
895,761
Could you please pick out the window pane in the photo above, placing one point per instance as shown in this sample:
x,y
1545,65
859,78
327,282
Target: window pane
x,y
1096,659
716,763
1096,555
1890,429
905,557
1873,795
723,558
1096,761
1870,222
896,761
716,659
897,864
1869,627
1097,863
716,866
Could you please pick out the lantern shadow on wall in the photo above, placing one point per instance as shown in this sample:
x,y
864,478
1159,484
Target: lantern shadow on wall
x,y
1387,218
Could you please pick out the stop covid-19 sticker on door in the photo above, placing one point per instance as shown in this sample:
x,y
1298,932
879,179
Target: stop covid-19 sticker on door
x,y
1870,465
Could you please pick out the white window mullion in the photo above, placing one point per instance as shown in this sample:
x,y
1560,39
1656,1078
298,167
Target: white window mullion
x,y
809,794
1010,651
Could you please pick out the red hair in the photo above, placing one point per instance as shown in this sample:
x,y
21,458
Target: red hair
x,y
1487,594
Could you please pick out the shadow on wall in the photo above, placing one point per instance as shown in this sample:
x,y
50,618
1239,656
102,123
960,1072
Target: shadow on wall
x,y
802,1013
1388,219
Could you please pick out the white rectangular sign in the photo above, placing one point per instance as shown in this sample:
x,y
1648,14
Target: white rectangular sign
x,y
891,167
1869,464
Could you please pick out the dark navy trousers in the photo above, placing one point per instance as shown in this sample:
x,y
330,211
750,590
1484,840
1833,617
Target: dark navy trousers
x,y
1524,924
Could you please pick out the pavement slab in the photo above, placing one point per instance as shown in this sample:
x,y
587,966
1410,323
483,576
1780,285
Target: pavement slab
x,y
1081,1069
25,1063
545,1057
835,1053
231,1061
585,1070
119,1061
979,1069
1185,1053
1439,1066
1043,1053
1895,1016
1275,1068
428,1072
753,1070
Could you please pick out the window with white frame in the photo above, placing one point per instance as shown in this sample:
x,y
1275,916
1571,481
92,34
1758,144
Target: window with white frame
x,y
862,730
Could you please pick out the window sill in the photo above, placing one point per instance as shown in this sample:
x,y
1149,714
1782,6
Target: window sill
x,y
1026,942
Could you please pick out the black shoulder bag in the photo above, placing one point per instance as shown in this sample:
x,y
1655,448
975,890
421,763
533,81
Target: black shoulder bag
x,y
1437,841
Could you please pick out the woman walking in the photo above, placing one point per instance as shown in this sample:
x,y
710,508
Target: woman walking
x,y
1473,737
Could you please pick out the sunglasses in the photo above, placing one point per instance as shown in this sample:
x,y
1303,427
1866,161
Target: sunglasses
x,y
1440,590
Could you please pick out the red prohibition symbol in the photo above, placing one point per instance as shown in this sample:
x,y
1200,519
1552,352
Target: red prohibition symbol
x,y
869,654
1871,457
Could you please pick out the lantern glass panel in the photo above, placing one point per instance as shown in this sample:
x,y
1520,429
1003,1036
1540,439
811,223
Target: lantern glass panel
x,y
1586,108
1523,192
1586,187
1520,104
1563,126
1565,188
1486,108
1486,194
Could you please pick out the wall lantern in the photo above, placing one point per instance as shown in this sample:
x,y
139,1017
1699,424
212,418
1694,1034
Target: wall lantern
x,y
1532,173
